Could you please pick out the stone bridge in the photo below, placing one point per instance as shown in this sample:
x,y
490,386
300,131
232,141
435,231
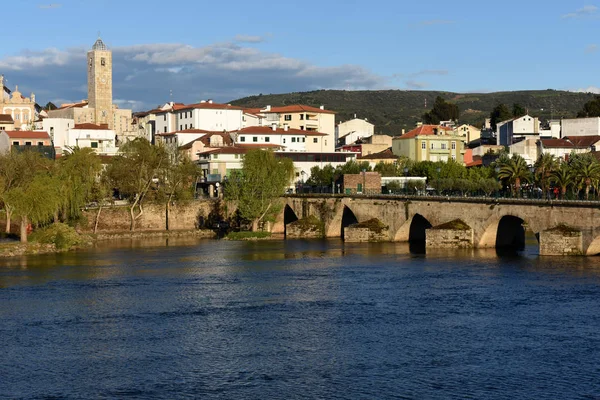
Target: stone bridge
x,y
561,227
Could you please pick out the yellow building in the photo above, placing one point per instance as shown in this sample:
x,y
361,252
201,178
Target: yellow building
x,y
430,143
20,108
470,132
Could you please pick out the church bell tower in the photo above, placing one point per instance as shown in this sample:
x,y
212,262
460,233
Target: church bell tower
x,y
99,60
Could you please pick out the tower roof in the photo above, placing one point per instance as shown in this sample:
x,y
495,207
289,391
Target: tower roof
x,y
99,45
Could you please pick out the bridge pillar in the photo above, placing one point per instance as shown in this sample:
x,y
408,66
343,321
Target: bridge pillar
x,y
561,241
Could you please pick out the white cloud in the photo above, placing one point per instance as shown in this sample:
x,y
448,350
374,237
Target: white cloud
x,y
145,74
49,6
592,48
581,12
249,38
589,89
439,72
416,85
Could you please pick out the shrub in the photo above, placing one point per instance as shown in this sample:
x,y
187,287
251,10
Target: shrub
x,y
60,235
247,235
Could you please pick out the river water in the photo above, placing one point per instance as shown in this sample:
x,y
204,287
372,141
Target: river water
x,y
298,320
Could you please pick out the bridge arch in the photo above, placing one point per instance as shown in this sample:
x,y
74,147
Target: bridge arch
x,y
505,232
289,216
594,248
348,218
418,232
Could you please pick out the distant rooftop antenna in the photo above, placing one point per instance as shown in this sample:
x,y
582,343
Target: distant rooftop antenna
x,y
425,102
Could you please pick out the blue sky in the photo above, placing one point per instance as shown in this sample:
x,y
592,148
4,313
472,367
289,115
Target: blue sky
x,y
224,50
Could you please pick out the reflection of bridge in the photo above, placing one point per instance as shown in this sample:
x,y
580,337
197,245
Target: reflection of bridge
x,y
561,226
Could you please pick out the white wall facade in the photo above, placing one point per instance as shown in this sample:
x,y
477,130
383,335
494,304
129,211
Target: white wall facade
x,y
355,128
581,127
58,129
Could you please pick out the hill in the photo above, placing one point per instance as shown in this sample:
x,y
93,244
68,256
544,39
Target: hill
x,y
394,110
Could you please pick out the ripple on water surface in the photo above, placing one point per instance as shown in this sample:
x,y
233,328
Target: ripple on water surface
x,y
298,319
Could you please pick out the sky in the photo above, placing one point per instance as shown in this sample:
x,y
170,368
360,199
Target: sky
x,y
190,50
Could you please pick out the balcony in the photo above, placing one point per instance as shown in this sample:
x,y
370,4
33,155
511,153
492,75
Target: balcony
x,y
46,151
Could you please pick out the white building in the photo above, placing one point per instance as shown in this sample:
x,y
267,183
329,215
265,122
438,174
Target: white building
x,y
97,137
581,127
287,139
205,115
561,148
350,131
526,148
517,128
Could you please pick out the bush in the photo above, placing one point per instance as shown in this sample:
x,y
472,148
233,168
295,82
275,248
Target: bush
x,y
60,235
247,235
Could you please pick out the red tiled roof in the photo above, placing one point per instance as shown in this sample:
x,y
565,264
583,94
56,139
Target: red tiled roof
x,y
190,131
74,105
385,154
227,141
583,141
297,108
27,134
208,106
89,126
6,118
477,161
240,149
267,130
423,130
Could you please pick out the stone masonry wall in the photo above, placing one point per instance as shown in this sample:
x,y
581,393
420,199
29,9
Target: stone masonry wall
x,y
116,219
556,243
352,234
449,238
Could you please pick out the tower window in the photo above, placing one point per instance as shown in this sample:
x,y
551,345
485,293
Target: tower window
x,y
102,61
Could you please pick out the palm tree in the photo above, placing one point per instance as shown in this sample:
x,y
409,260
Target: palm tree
x,y
563,177
586,173
515,170
543,167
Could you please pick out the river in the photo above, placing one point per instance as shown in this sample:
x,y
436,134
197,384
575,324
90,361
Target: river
x,y
298,320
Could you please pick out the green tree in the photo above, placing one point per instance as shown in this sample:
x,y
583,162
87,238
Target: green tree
x,y
518,110
135,171
499,113
16,169
388,169
586,170
441,111
78,170
257,187
543,167
562,177
100,193
34,201
515,171
322,176
590,109
178,177
50,106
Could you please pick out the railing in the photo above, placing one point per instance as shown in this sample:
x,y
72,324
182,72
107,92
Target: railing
x,y
456,198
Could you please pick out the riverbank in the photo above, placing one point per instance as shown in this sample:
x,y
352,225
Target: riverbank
x,y
16,249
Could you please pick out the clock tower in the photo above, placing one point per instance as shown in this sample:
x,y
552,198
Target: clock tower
x,y
99,60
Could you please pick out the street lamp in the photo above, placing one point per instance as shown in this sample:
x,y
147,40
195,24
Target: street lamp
x,y
405,180
497,169
438,169
364,189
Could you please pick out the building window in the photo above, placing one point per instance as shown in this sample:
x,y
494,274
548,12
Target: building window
x,y
267,139
27,143
301,118
303,139
180,127
453,145
215,156
242,138
431,145
94,145
293,140
165,117
301,127
255,138
453,157
443,146
236,156
315,140
16,143
185,126
102,61
287,117
165,129
40,143
423,145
